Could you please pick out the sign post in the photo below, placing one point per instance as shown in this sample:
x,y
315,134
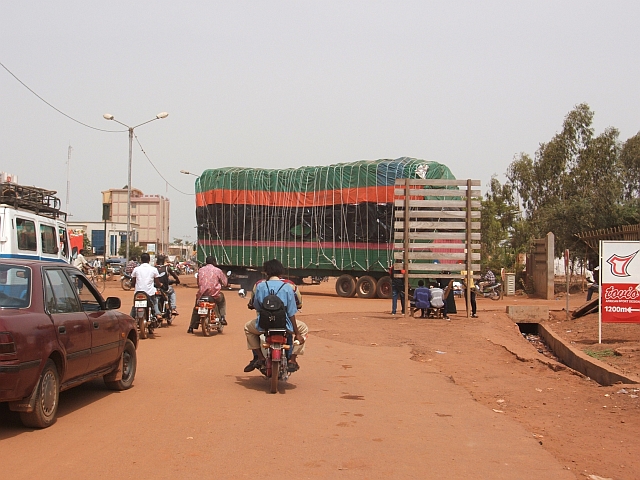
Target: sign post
x,y
566,274
619,283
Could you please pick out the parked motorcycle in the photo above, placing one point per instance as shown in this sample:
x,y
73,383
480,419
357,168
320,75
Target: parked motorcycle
x,y
147,322
209,316
275,368
494,292
126,281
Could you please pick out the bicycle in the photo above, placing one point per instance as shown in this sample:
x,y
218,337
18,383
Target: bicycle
x,y
97,280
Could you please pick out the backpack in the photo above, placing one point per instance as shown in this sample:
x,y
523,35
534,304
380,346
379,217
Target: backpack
x,y
273,313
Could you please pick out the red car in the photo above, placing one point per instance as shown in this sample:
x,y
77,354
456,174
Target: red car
x,y
56,332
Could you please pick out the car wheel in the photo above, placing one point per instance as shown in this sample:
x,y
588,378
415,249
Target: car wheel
x,y
129,362
47,396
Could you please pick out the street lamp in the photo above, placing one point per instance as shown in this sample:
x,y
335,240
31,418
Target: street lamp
x,y
108,116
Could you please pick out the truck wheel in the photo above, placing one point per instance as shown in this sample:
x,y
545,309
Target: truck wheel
x,y
346,286
383,289
366,287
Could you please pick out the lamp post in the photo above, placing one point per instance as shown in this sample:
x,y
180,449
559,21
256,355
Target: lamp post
x,y
186,172
108,116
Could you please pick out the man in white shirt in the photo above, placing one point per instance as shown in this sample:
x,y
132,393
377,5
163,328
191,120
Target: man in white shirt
x,y
144,278
80,262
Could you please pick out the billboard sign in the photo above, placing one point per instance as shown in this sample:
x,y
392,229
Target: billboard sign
x,y
620,282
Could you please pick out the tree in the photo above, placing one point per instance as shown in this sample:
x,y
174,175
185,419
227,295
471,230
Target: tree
x,y
575,183
86,243
499,215
177,241
134,250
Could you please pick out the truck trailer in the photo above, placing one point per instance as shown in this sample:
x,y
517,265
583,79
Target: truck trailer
x,y
319,221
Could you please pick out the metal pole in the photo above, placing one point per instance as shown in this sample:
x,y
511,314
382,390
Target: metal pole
x,y
407,205
129,194
469,258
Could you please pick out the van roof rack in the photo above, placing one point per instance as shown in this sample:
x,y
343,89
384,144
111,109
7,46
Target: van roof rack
x,y
37,200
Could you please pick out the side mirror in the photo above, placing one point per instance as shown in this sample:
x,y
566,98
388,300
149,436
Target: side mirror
x,y
112,303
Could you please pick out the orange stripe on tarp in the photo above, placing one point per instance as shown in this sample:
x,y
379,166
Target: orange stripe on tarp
x,y
373,194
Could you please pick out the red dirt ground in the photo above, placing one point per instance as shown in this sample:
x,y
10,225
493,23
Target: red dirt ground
x,y
376,396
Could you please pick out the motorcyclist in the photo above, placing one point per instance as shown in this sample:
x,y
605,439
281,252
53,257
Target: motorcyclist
x,y
144,278
274,270
489,280
131,264
165,271
210,282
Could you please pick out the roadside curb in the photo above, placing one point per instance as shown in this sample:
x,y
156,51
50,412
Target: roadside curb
x,y
573,358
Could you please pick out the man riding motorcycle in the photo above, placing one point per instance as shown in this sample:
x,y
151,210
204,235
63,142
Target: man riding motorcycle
x,y
167,288
144,278
274,269
210,282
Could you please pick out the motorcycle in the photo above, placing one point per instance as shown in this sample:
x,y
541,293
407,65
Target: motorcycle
x,y
125,281
209,316
494,292
164,307
276,345
147,322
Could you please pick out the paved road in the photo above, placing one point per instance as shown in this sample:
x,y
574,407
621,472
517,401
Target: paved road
x,y
350,412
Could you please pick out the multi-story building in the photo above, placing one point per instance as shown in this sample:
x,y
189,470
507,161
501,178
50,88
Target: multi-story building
x,y
149,217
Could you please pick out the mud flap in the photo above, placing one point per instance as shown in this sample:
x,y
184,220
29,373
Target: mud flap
x,y
27,404
116,375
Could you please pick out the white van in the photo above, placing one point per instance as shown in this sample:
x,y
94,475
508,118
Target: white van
x,y
32,225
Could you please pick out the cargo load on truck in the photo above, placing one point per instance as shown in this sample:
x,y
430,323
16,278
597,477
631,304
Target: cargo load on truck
x,y
319,221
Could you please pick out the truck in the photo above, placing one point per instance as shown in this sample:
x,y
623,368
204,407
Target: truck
x,y
319,221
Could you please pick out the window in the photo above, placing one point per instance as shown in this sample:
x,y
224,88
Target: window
x,y
60,296
15,286
49,239
62,232
89,301
26,231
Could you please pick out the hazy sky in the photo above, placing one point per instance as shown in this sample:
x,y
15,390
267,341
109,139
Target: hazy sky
x,y
280,84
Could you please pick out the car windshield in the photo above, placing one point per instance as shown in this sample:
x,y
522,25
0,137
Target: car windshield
x,y
15,286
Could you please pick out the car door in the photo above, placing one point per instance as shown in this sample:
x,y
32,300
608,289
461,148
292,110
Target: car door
x,y
71,322
105,327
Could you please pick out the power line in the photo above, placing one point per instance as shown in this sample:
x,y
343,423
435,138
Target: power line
x,y
56,109
158,171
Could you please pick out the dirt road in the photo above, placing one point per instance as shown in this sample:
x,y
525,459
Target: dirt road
x,y
374,398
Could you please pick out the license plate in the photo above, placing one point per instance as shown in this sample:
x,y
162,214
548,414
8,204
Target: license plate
x,y
202,311
141,304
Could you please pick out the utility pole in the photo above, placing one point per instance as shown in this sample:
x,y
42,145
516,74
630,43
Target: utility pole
x,y
66,209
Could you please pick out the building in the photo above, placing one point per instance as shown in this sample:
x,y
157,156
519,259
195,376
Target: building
x,y
116,235
149,217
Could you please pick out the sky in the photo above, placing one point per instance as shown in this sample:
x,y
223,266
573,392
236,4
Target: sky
x,y
280,84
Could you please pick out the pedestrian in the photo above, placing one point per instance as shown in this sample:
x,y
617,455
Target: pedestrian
x,y
397,289
593,282
469,290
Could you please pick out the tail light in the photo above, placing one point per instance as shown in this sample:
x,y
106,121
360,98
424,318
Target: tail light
x,y
140,296
7,345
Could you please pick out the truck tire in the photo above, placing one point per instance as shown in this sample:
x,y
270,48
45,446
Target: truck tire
x,y
383,289
346,286
366,287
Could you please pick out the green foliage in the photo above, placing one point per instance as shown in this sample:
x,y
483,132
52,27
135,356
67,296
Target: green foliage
x,y
576,182
86,243
600,354
499,221
134,250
